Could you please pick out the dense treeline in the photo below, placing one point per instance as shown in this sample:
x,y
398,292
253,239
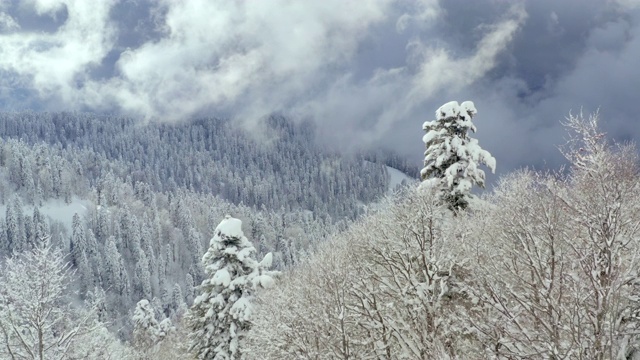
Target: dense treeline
x,y
134,243
139,239
544,267
277,168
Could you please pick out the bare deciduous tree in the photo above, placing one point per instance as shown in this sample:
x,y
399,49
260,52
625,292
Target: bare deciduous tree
x,y
36,319
558,265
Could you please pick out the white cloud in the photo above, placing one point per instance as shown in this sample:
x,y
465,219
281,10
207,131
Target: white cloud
x,y
42,7
396,96
627,4
458,73
252,56
238,55
423,14
7,23
249,58
54,64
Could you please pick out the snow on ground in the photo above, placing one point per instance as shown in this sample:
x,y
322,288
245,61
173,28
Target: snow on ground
x,y
396,177
57,210
60,211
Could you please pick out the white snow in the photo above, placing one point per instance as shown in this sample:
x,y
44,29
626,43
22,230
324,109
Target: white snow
x,y
231,227
221,277
433,134
242,309
56,210
266,261
469,107
453,109
60,211
396,177
448,110
266,281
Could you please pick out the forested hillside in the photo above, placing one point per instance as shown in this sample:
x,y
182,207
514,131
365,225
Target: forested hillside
x,y
245,180
148,198
545,264
544,267
279,168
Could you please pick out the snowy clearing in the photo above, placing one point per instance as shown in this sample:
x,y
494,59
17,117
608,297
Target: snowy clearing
x,y
56,210
396,177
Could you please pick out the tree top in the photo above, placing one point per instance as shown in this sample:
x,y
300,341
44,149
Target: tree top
x,y
230,227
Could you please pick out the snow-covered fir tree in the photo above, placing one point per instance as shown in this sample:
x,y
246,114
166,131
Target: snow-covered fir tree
x,y
146,330
221,314
452,157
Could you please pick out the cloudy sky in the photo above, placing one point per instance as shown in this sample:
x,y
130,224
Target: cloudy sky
x,y
369,73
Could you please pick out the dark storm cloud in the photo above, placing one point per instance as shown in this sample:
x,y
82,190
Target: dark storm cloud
x,y
138,22
569,56
369,73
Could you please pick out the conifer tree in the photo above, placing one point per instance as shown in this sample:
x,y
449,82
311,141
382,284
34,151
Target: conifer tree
x,y
40,226
221,314
190,288
102,222
145,326
177,299
113,281
142,277
78,243
452,157
11,230
21,240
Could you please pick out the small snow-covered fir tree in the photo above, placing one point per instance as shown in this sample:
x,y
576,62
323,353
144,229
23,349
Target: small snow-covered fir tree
x,y
452,157
145,326
221,314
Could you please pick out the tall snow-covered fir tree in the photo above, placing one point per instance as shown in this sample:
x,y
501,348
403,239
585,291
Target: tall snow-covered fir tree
x,y
452,157
221,313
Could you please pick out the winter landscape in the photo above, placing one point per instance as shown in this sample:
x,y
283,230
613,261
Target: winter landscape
x,y
389,179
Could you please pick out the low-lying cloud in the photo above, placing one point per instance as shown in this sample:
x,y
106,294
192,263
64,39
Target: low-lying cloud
x,y
367,72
